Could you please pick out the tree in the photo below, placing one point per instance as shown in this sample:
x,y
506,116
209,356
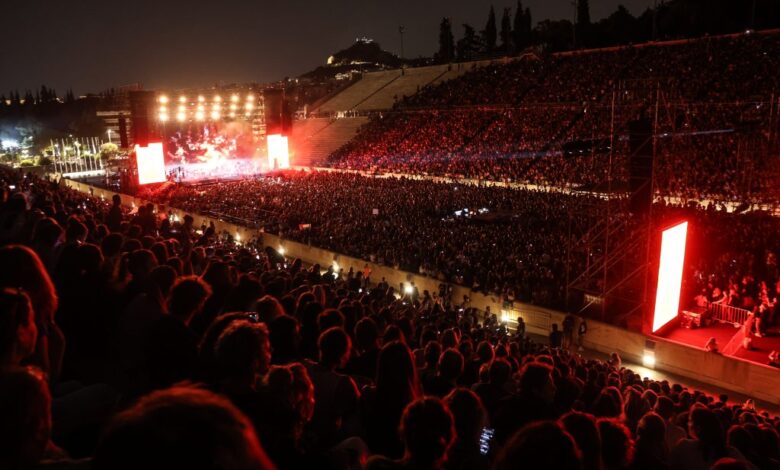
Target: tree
x,y
582,28
469,46
517,27
108,151
489,33
446,42
506,31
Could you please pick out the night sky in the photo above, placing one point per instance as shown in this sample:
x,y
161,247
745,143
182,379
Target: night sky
x,y
91,45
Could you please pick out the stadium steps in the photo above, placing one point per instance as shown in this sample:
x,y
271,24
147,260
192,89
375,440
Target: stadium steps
x,y
409,83
358,92
377,91
313,140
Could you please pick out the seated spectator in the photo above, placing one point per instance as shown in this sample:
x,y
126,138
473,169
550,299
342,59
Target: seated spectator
x,y
25,430
617,446
582,428
542,444
470,421
427,430
336,395
18,332
706,445
448,371
381,405
181,428
651,451
172,348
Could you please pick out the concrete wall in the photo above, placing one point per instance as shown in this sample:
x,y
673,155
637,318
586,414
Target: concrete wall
x,y
748,378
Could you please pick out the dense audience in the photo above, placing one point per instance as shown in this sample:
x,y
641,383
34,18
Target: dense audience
x,y
563,119
131,341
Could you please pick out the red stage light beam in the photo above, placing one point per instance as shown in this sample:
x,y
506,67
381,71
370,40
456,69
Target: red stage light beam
x,y
670,271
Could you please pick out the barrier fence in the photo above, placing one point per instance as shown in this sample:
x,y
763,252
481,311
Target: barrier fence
x,y
729,314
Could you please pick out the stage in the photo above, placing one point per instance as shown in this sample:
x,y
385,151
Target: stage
x,y
723,334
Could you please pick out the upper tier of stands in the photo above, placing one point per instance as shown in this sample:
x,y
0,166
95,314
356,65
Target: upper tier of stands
x,y
556,119
381,90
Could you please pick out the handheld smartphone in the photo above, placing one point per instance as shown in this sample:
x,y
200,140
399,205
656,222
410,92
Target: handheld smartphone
x,y
485,439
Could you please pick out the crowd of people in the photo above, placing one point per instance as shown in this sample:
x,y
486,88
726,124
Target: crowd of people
x,y
132,341
491,239
563,119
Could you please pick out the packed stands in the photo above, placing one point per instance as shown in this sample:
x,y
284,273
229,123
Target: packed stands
x,y
561,119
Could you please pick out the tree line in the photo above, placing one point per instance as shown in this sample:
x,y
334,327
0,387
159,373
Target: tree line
x,y
670,19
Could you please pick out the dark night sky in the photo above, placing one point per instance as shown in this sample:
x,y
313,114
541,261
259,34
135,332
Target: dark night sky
x,y
95,44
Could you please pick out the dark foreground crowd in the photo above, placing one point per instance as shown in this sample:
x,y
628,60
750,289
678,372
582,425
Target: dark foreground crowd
x,y
129,341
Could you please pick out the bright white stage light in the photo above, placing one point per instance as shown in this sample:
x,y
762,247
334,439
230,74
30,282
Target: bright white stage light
x,y
151,163
278,151
670,271
648,359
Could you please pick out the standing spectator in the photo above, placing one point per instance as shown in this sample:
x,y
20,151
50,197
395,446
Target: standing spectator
x,y
556,337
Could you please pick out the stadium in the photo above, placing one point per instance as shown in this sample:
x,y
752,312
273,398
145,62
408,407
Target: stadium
x,y
532,258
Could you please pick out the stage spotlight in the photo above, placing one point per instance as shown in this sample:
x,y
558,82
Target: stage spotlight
x,y
408,289
182,99
216,107
182,108
249,106
234,98
163,117
247,114
215,115
234,107
201,98
281,250
163,109
250,97
163,99
181,117
232,115
648,359
217,98
201,107
199,115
